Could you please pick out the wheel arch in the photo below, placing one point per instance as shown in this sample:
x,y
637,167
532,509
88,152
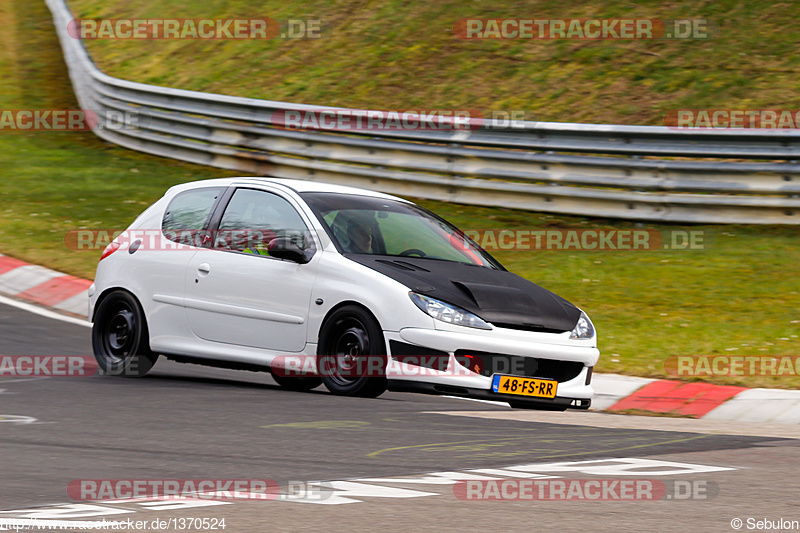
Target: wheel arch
x,y
103,295
345,303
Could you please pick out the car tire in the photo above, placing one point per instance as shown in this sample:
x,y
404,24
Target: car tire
x,y
352,354
297,384
120,338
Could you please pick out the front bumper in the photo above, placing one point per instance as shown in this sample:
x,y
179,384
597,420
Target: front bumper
x,y
559,403
457,380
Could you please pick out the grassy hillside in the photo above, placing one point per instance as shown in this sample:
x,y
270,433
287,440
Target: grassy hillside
x,y
53,182
403,54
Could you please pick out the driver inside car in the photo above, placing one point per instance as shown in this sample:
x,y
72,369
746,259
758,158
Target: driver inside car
x,y
359,235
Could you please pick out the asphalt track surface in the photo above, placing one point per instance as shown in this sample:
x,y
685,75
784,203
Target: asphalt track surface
x,y
192,422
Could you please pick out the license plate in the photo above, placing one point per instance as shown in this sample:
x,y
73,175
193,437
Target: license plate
x,y
540,388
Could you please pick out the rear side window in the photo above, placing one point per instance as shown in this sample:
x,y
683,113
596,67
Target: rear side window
x,y
189,211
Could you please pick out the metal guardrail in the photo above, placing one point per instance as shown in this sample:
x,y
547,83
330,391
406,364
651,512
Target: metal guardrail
x,y
584,169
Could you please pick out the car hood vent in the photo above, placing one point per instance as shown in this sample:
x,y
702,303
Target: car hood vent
x,y
402,265
497,296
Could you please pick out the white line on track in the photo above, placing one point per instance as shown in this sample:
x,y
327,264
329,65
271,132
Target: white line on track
x,y
43,312
492,402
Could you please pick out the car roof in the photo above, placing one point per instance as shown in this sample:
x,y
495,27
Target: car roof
x,y
299,186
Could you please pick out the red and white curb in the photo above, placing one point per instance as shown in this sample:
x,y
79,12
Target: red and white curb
x,y
43,286
613,393
695,400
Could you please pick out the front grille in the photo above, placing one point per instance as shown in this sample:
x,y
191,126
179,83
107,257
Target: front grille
x,y
486,364
528,327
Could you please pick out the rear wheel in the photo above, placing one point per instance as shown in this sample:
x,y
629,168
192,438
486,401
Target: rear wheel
x,y
120,338
352,354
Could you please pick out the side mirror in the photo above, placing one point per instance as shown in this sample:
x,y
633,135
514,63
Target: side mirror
x,y
284,248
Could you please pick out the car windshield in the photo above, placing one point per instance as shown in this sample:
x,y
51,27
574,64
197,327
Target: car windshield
x,y
376,226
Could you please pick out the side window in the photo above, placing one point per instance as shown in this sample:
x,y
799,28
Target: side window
x,y
188,213
253,218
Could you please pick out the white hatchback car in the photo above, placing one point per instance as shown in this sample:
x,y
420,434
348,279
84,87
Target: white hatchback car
x,y
323,283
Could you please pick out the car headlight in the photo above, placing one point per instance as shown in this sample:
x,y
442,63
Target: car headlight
x,y
448,313
584,329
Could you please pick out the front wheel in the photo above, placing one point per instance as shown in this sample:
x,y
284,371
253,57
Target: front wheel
x,y
120,338
352,354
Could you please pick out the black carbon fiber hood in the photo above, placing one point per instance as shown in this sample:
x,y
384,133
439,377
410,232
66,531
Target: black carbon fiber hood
x,y
497,296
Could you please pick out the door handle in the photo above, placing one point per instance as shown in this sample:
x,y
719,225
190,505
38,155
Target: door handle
x,y
203,269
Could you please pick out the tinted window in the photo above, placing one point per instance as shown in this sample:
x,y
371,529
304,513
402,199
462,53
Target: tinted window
x,y
377,226
253,218
189,211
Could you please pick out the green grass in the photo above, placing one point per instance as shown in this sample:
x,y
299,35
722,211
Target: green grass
x,y
738,297
390,54
53,182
